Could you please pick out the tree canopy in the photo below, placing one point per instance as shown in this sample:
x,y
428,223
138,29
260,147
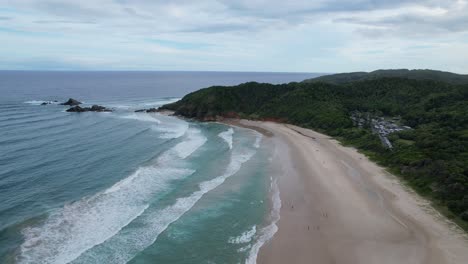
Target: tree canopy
x,y
432,157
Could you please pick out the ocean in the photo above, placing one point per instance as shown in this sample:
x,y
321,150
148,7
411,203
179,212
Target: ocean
x,y
126,187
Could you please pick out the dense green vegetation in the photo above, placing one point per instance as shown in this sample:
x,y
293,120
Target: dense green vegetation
x,y
432,157
402,73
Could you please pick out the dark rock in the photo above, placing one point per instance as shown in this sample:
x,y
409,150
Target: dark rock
x,y
77,109
152,110
48,102
94,108
71,102
98,108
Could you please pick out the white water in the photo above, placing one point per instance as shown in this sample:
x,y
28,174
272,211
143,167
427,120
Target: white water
x,y
227,136
118,223
169,128
185,148
78,226
269,231
143,117
245,237
162,102
258,139
39,102
126,245
135,105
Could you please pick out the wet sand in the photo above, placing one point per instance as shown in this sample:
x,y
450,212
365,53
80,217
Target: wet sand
x,y
339,207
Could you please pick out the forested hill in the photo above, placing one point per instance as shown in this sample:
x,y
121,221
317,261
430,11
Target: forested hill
x,y
432,156
402,73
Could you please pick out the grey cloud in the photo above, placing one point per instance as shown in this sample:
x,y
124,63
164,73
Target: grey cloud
x,y
298,12
284,12
215,16
275,8
130,11
5,18
409,25
63,22
134,13
218,28
70,9
372,5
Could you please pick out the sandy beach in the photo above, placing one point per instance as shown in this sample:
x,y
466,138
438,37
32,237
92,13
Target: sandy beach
x,y
339,207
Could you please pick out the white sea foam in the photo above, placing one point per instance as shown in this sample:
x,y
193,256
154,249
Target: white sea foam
x,y
243,249
245,237
143,117
140,104
168,127
120,106
227,136
162,102
267,232
39,102
258,139
78,232
171,129
124,246
182,150
84,224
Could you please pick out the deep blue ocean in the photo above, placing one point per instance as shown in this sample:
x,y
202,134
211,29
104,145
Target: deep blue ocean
x,y
126,187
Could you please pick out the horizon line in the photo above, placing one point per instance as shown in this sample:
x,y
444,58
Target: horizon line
x,y
103,70
214,71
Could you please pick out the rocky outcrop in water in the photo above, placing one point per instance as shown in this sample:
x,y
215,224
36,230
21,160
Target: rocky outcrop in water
x,y
150,110
94,108
71,102
49,102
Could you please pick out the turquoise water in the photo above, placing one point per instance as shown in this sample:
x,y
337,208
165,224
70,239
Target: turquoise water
x,y
126,187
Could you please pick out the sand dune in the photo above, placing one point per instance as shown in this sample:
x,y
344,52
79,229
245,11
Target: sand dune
x,y
338,207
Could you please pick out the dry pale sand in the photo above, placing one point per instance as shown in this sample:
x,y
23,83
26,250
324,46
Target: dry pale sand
x,y
339,207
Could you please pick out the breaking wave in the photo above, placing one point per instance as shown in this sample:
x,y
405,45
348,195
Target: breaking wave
x,y
82,225
142,117
127,244
39,102
267,232
227,136
258,139
245,237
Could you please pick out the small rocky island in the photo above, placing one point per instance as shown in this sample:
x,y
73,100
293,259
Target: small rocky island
x,y
71,102
76,108
94,108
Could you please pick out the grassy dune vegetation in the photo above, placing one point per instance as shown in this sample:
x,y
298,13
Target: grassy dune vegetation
x,y
432,157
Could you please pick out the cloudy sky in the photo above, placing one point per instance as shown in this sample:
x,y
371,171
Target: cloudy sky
x,y
243,35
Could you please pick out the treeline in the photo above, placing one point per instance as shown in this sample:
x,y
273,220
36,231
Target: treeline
x,y
431,75
432,157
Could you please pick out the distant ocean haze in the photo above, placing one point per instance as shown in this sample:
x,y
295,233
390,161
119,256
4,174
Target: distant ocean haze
x,y
44,85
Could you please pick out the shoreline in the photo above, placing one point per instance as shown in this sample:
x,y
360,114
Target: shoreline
x,y
339,207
